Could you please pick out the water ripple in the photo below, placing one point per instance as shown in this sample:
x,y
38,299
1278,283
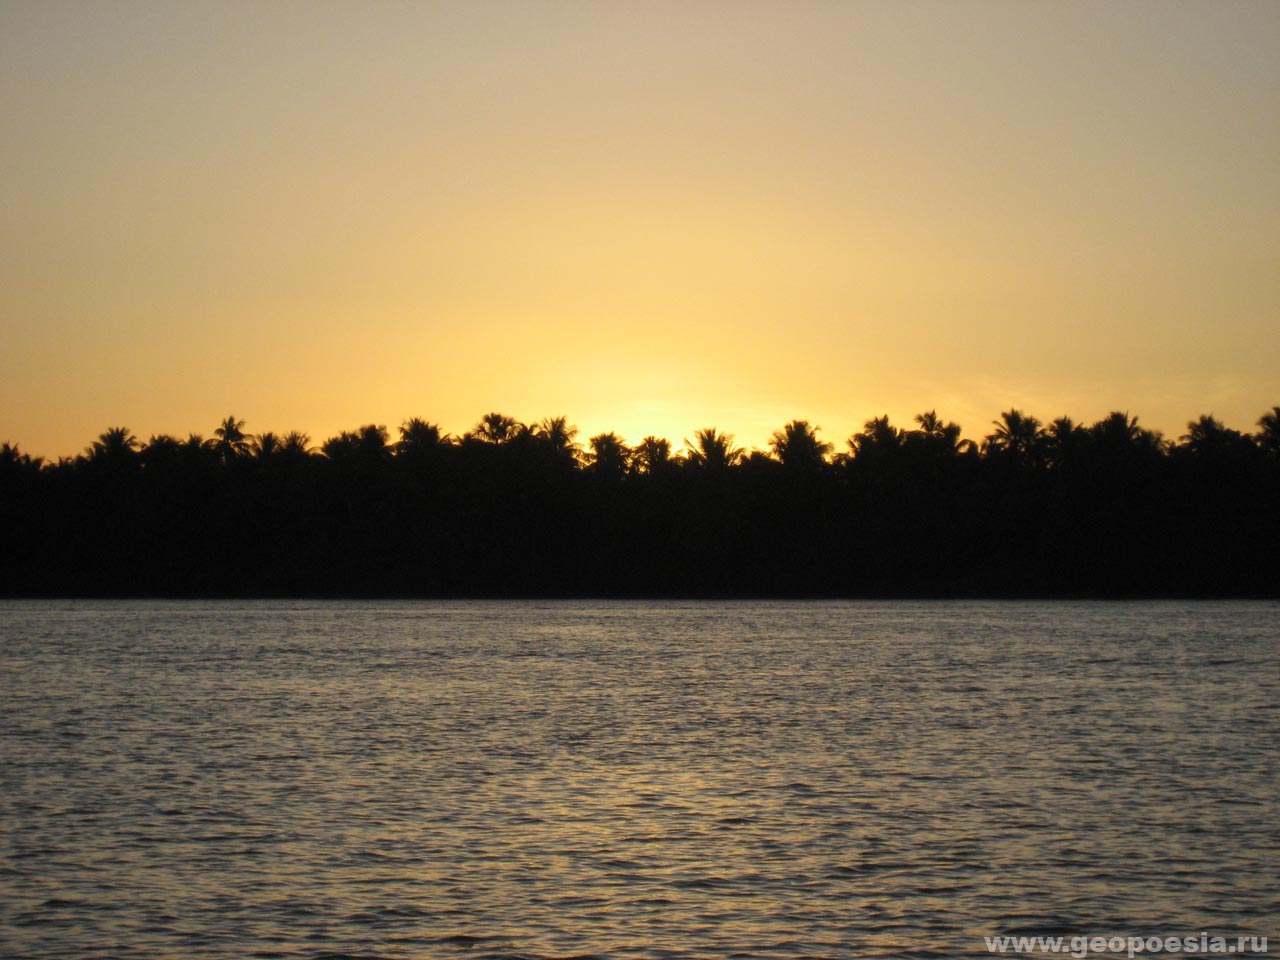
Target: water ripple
x,y
616,781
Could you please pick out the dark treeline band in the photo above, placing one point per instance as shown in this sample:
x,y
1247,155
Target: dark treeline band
x,y
512,509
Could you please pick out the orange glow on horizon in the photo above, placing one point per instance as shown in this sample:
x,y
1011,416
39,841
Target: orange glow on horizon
x,y
649,221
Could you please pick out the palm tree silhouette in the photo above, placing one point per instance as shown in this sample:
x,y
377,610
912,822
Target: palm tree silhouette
x,y
878,437
419,437
1118,432
1207,438
232,442
496,428
934,435
1062,440
713,451
651,455
1016,435
161,449
115,445
367,445
14,460
556,435
264,446
296,445
798,447
608,456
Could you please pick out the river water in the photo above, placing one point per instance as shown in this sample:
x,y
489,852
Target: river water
x,y
631,779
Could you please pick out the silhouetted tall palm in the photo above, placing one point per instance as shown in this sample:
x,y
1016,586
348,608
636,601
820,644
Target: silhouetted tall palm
x,y
419,437
931,424
713,451
651,455
1062,440
608,456
1118,432
496,428
161,449
1206,438
13,460
366,445
1016,435
115,445
798,447
265,446
878,437
935,436
296,445
556,435
232,442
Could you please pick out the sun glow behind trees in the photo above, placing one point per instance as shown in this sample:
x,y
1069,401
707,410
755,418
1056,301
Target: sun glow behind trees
x,y
655,217
516,509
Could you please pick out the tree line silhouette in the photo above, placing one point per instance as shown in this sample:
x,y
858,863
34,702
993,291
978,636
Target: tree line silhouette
x,y
516,509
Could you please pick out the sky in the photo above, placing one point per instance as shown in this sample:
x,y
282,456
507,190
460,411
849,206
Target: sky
x,y
651,217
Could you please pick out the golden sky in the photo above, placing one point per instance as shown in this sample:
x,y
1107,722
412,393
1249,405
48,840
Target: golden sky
x,y
649,216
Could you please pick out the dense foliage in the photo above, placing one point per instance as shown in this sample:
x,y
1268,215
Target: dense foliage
x,y
511,509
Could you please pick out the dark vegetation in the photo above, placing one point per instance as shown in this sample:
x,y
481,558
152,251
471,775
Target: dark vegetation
x,y
511,509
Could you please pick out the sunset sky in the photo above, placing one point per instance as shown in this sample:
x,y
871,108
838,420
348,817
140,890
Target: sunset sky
x,y
648,216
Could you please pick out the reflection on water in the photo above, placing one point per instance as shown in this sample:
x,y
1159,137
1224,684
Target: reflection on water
x,y
631,779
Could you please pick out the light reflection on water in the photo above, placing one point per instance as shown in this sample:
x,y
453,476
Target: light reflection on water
x,y
830,780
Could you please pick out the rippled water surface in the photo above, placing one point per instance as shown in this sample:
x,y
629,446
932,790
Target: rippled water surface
x,y
421,780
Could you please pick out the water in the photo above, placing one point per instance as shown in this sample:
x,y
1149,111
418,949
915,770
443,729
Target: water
x,y
423,780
